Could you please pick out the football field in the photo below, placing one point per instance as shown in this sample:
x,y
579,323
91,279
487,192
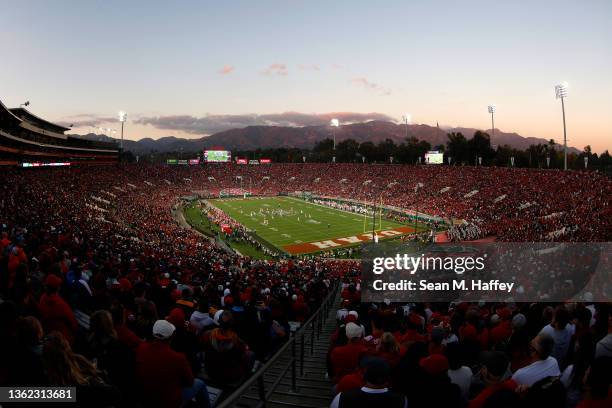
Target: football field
x,y
298,227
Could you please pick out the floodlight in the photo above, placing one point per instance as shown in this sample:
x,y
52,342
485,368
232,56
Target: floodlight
x,y
122,119
406,118
335,122
492,108
561,90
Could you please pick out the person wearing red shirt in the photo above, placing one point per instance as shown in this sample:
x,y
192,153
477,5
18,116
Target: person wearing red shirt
x,y
124,334
493,371
345,359
164,376
503,330
55,314
598,380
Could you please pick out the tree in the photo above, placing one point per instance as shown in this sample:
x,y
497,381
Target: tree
x,y
368,150
346,150
480,146
385,149
457,147
324,150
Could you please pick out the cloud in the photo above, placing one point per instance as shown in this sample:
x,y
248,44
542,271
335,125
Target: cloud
x,y
311,67
275,69
227,69
209,124
82,120
365,83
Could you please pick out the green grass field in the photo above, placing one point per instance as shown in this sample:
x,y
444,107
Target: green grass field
x,y
292,225
193,216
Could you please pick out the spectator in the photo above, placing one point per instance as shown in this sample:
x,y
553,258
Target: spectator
x,y
604,346
458,374
24,360
561,331
227,359
493,376
124,334
65,368
374,392
115,359
164,376
544,365
597,382
389,349
184,340
573,375
55,313
438,390
200,319
345,359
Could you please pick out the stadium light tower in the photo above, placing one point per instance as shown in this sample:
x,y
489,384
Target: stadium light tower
x,y
406,118
334,124
492,109
122,119
561,93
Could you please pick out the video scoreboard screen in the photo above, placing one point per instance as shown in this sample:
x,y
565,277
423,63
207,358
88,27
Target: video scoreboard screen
x,y
217,156
434,157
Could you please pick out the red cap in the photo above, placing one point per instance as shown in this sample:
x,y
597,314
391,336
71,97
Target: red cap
x,y
229,300
53,281
350,318
176,317
434,364
125,284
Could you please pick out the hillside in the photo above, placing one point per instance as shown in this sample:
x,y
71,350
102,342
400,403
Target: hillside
x,y
261,137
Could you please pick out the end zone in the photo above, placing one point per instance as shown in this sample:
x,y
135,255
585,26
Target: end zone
x,y
315,246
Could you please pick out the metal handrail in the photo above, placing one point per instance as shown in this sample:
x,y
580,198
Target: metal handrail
x,y
315,323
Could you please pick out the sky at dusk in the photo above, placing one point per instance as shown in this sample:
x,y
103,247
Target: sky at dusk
x,y
189,69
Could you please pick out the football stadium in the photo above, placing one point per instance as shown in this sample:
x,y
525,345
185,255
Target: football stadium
x,y
161,257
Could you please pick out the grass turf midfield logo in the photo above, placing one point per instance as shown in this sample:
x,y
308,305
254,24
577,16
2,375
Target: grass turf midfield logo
x,y
333,243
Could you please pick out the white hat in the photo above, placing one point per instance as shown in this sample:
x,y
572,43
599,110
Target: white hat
x,y
294,297
354,313
353,331
226,292
163,329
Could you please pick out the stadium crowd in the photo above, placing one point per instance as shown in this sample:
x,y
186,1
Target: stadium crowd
x,y
515,205
102,289
470,354
163,311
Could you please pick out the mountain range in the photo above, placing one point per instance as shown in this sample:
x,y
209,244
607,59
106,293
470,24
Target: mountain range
x,y
262,137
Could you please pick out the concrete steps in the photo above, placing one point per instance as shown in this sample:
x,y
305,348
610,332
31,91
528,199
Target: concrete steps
x,y
312,387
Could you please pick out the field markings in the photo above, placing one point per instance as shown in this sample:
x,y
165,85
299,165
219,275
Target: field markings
x,y
332,224
333,243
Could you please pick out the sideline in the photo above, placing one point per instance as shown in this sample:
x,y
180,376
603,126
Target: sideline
x,y
179,216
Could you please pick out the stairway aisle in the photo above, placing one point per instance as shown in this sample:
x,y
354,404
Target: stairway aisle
x,y
313,388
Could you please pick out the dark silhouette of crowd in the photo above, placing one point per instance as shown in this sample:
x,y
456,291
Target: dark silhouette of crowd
x,y
470,354
102,289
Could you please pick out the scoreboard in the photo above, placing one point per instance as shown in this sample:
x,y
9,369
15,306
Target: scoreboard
x,y
217,156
